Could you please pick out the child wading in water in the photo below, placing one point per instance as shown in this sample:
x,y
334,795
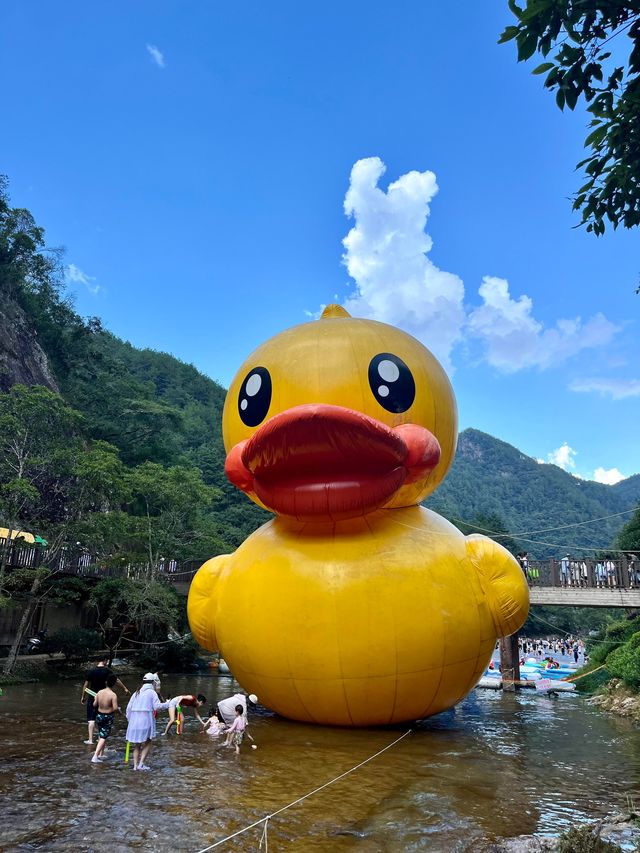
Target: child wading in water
x,y
213,726
106,702
237,729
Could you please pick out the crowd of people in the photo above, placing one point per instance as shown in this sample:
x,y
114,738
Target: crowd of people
x,y
227,716
606,573
546,647
578,572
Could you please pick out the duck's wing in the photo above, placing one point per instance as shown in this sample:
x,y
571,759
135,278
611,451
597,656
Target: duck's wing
x,y
504,582
201,604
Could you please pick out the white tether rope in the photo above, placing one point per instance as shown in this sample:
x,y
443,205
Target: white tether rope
x,y
265,820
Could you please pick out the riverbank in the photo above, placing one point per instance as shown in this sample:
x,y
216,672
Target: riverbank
x,y
621,831
619,699
32,669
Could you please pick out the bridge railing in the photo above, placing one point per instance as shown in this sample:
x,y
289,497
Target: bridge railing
x,y
81,562
584,573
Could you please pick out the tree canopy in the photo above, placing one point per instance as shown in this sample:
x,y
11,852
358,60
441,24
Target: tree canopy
x,y
149,454
592,51
629,536
492,525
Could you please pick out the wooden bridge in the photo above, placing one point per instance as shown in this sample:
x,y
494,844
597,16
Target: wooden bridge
x,y
576,583
586,583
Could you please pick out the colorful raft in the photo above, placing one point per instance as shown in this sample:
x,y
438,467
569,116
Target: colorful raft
x,y
534,674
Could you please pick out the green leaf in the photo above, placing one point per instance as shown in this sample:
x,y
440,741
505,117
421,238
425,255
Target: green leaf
x,y
560,98
526,45
571,97
517,11
546,66
509,34
595,138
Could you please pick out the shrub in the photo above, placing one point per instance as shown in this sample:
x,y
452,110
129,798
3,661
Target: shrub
x,y
624,662
615,634
598,653
621,631
174,656
589,680
585,840
76,644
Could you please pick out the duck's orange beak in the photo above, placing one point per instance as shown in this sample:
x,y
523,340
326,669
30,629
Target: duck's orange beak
x,y
329,463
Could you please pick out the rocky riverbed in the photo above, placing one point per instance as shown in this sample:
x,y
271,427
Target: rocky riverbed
x,y
618,699
623,830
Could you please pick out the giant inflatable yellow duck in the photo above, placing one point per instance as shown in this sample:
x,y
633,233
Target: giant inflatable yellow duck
x,y
353,606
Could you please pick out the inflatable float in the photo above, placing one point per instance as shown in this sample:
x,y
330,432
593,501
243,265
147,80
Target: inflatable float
x,y
533,674
355,605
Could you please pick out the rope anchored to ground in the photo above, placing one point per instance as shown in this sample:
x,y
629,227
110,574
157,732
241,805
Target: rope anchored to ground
x,y
265,820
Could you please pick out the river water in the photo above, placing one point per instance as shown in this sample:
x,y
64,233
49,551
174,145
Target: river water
x,y
498,765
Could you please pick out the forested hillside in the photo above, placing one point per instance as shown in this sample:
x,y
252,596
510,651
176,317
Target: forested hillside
x,y
139,408
156,408
148,423
490,476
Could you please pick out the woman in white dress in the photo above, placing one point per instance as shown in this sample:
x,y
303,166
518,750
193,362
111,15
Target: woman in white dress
x,y
141,714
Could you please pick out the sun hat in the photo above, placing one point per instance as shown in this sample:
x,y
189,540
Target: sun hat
x,y
151,676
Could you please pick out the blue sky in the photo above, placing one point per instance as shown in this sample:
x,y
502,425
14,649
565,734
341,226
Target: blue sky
x,y
194,159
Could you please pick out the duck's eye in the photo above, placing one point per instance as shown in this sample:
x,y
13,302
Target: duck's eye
x,y
255,396
392,383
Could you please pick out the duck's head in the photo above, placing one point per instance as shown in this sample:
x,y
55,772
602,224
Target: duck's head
x,y
337,418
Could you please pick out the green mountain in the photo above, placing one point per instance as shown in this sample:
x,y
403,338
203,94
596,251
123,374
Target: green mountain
x,y
154,407
489,476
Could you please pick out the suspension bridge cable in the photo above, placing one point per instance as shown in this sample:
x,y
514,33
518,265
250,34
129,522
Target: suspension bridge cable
x,y
522,533
560,546
573,524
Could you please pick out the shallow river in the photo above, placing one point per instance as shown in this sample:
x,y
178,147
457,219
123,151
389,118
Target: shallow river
x,y
498,765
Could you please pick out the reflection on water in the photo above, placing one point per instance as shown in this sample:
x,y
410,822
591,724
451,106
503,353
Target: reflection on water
x,y
498,765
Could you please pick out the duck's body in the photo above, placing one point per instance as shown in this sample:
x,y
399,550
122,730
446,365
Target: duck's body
x,y
354,606
383,619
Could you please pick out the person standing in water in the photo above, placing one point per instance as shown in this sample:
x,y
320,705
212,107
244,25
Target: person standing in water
x,y
106,705
226,707
186,700
96,679
237,729
141,711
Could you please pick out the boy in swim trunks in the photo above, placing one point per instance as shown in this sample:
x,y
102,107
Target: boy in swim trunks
x,y
106,703
188,700
95,680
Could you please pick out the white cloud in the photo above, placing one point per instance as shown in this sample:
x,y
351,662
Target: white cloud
x,y
156,55
609,476
514,339
77,276
386,255
563,457
617,389
396,282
